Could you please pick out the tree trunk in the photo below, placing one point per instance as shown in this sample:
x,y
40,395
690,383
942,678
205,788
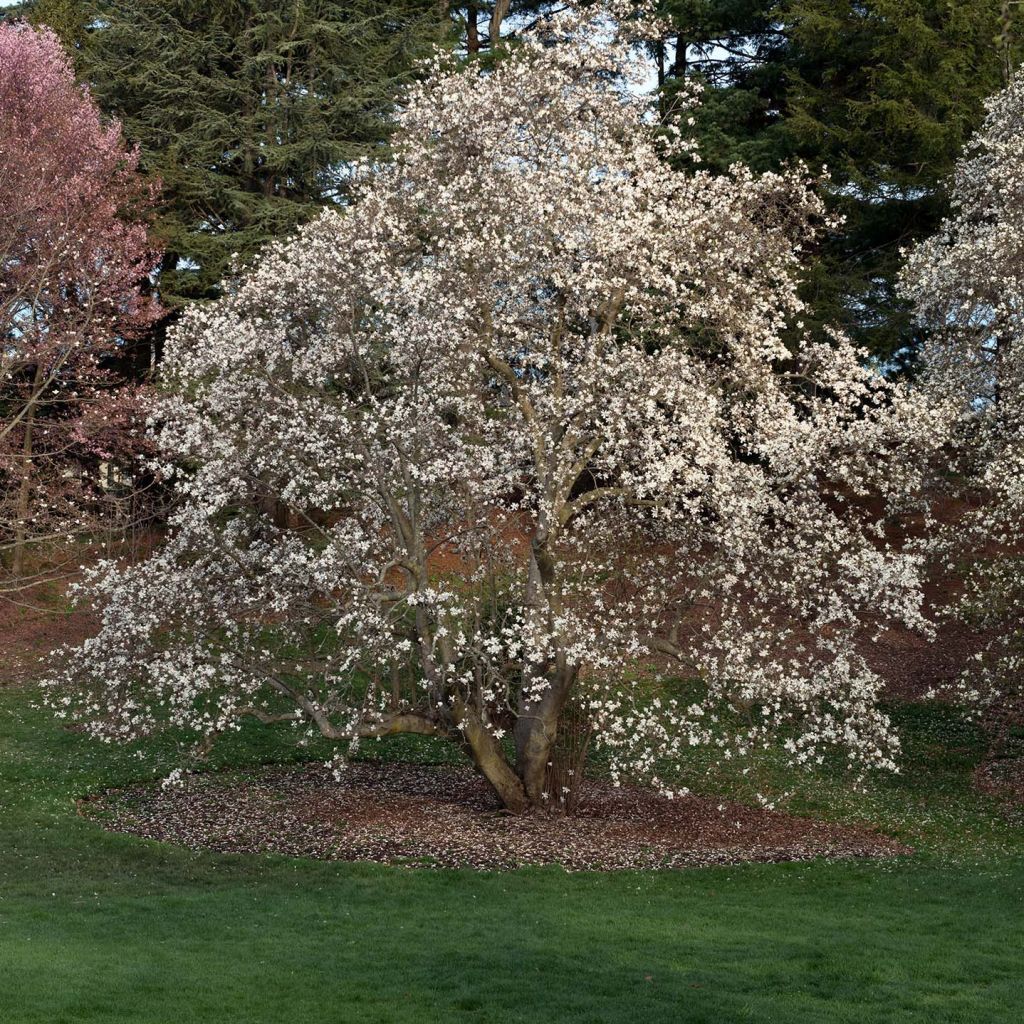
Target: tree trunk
x,y
25,486
536,731
536,728
489,757
464,724
498,15
679,61
659,54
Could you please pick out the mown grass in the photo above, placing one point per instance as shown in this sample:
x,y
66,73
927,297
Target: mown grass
x,y
102,928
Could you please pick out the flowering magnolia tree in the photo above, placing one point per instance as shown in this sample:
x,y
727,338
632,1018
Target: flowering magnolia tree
x,y
968,284
73,255
512,429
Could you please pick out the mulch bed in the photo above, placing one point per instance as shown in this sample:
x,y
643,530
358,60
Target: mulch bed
x,y
1002,778
440,816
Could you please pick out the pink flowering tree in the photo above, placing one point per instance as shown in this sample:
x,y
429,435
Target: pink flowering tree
x,y
968,285
74,255
517,436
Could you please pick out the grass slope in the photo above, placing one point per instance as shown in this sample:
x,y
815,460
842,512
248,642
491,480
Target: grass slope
x,y
102,928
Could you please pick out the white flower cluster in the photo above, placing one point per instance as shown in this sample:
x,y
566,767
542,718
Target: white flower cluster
x,y
518,421
968,283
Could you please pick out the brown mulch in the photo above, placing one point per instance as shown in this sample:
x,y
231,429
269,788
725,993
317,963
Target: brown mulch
x,y
441,816
1002,778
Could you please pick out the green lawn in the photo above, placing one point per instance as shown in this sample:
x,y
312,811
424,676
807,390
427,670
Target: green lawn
x,y
96,927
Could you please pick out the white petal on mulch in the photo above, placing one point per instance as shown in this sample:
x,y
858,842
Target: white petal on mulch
x,y
435,816
1002,778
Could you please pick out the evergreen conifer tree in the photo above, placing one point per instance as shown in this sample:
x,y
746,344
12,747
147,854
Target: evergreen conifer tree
x,y
882,93
248,111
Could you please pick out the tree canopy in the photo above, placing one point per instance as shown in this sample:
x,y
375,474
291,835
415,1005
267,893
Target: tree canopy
x,y
529,411
74,263
250,112
882,93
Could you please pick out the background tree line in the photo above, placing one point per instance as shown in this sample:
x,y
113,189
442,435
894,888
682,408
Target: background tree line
x,y
249,111
249,114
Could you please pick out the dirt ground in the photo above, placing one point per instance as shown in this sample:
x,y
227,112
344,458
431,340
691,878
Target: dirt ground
x,y
31,629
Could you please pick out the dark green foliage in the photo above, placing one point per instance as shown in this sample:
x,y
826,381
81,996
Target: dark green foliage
x,y
735,50
68,18
247,110
883,92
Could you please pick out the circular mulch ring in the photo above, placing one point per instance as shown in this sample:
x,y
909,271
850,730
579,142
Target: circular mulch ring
x,y
434,816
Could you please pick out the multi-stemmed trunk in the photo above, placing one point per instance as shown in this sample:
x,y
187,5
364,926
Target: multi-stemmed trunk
x,y
523,785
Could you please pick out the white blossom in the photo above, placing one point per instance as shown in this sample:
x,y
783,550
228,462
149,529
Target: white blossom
x,y
516,424
968,285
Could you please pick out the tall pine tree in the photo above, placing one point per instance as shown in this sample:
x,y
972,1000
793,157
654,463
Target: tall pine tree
x,y
885,93
882,93
248,111
736,50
